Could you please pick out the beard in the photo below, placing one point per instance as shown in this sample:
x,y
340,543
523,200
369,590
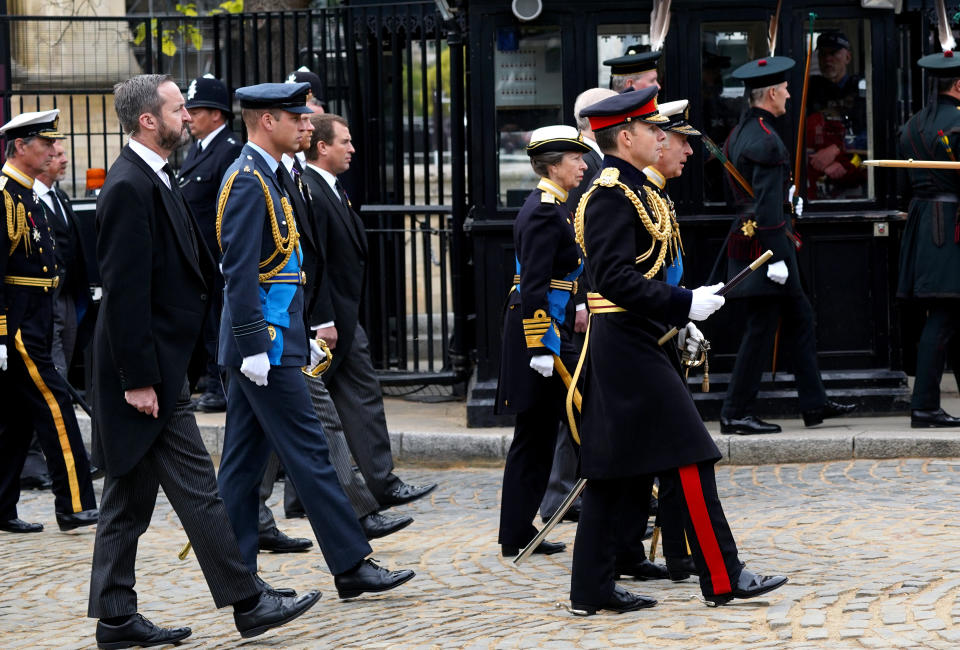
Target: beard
x,y
170,139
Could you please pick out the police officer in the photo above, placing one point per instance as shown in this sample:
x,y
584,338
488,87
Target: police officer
x,y
639,419
759,154
28,378
537,330
215,148
930,248
263,345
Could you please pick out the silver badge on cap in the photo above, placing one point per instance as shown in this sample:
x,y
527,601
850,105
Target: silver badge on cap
x,y
192,90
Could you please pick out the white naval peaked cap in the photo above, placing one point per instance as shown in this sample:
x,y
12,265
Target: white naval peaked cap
x,y
672,108
35,123
558,137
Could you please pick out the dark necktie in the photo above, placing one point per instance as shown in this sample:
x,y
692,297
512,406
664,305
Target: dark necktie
x,y
342,194
56,207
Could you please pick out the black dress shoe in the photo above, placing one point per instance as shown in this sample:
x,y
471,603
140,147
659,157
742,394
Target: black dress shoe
x,y
829,410
367,576
212,403
272,611
573,514
922,420
747,426
20,526
644,570
620,601
278,542
71,520
96,472
138,631
285,592
294,514
681,568
544,548
404,493
377,525
41,482
749,585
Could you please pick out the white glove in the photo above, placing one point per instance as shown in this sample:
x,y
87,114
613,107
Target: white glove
x,y
255,368
3,357
705,302
798,206
542,363
778,272
316,353
689,337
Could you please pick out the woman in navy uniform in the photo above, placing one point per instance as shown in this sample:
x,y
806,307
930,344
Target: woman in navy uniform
x,y
537,329
639,419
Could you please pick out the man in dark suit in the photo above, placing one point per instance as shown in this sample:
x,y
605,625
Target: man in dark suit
x,y
351,379
35,396
264,345
215,148
157,277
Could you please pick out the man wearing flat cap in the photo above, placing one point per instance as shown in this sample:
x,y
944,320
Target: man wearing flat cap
x,y
34,393
264,345
639,420
215,147
929,279
757,151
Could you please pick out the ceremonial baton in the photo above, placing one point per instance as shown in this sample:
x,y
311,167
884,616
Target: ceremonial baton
x,y
581,483
727,288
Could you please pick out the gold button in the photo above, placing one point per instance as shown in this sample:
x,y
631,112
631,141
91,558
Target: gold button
x,y
45,289
41,250
56,266
44,269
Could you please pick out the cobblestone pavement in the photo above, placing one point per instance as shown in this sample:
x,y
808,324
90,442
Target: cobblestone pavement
x,y
871,548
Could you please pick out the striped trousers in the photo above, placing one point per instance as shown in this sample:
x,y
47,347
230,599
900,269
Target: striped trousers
x,y
179,463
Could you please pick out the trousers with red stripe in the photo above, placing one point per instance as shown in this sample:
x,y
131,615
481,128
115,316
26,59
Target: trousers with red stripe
x,y
614,515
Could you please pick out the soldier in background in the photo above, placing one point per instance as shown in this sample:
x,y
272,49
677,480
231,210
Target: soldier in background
x,y
215,147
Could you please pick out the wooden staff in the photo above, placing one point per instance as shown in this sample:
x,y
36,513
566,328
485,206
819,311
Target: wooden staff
x,y
719,155
910,163
803,112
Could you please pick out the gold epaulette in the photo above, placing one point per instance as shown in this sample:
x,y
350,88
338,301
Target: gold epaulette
x,y
534,328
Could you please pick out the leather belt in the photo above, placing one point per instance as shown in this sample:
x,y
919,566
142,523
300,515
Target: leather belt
x,y
24,281
597,304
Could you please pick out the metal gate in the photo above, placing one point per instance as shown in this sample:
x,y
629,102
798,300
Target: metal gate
x,y
395,70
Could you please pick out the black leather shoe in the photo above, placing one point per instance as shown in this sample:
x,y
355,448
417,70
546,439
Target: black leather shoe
x,y
681,568
620,601
829,410
573,514
272,611
367,576
138,631
544,548
294,514
404,493
747,426
41,482
377,525
644,570
749,585
922,420
278,542
69,521
212,403
285,592
20,526
96,472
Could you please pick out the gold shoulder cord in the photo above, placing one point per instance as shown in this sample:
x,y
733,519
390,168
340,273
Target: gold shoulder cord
x,y
284,245
665,212
17,228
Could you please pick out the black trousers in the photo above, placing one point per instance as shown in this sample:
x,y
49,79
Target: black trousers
x,y
756,349
936,342
179,463
37,400
527,470
606,537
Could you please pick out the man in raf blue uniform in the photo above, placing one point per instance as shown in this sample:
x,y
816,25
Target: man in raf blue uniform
x,y
755,148
28,377
263,345
215,148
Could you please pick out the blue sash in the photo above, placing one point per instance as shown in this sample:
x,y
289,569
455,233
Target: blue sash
x,y
557,300
275,301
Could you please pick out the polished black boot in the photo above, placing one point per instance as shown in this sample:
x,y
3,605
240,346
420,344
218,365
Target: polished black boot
x,y
681,568
829,410
644,570
620,601
747,426
932,419
749,585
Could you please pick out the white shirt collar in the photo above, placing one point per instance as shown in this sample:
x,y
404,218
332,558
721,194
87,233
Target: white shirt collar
x,y
152,158
593,145
210,136
40,187
327,176
287,161
272,162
